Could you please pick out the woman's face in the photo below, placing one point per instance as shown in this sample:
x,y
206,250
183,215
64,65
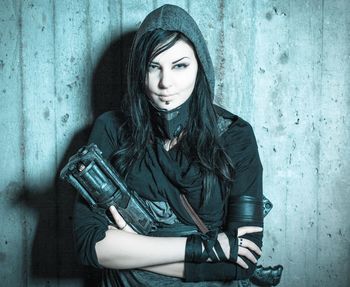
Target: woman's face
x,y
171,76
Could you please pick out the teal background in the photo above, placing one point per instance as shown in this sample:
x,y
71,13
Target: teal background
x,y
283,65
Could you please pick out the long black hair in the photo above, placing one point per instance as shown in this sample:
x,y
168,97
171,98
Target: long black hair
x,y
201,143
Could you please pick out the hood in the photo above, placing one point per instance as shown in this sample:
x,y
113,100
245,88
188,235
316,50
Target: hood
x,y
174,18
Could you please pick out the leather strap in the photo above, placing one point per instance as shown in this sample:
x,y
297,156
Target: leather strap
x,y
212,249
245,208
200,224
232,238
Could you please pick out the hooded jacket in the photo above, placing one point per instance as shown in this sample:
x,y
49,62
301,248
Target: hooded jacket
x,y
169,124
174,18
181,174
159,176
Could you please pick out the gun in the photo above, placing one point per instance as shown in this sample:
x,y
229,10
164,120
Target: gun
x,y
102,187
267,276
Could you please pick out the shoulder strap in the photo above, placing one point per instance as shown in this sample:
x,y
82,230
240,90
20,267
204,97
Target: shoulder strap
x,y
223,125
200,224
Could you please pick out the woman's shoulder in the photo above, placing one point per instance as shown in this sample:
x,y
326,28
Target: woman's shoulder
x,y
231,125
238,140
106,133
113,119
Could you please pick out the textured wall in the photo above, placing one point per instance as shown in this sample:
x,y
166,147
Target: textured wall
x,y
282,65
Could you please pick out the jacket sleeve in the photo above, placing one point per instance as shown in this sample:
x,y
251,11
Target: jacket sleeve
x,y
89,227
244,205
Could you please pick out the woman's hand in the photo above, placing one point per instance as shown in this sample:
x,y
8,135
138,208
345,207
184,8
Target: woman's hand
x,y
245,246
119,220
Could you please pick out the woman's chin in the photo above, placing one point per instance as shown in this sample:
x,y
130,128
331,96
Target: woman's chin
x,y
166,105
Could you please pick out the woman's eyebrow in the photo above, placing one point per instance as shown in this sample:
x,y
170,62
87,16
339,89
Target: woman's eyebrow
x,y
179,60
157,63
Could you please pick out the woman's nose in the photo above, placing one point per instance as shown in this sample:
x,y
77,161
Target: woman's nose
x,y
165,80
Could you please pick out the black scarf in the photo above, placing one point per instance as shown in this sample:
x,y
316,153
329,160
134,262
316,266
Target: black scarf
x,y
169,124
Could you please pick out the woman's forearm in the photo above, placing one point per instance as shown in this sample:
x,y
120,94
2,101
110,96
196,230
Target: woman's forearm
x,y
125,250
171,269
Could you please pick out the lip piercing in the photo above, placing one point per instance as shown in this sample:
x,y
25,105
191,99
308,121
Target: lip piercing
x,y
166,102
240,242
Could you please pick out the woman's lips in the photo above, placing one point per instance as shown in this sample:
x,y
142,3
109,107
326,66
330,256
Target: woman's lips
x,y
166,98
165,95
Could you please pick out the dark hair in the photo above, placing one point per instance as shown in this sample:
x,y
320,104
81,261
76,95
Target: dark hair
x,y
202,130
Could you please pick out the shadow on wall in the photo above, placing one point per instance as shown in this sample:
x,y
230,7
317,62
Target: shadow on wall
x,y
52,255
109,77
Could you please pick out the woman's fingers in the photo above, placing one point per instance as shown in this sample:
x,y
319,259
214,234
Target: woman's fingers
x,y
247,254
119,220
127,228
111,227
241,263
248,229
250,245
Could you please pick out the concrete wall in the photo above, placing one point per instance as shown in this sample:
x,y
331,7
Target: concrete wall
x,y
282,65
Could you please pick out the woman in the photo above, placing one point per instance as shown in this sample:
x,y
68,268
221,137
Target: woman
x,y
170,143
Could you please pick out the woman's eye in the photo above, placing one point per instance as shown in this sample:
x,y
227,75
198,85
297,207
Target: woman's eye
x,y
152,67
181,66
